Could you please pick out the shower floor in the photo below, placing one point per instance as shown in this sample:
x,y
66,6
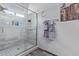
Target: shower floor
x,y
15,50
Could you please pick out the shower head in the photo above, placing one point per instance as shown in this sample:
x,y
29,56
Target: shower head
x,y
1,8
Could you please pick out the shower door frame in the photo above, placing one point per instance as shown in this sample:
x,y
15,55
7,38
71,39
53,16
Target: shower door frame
x,y
36,44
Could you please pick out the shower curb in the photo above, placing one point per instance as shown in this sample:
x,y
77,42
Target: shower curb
x,y
26,52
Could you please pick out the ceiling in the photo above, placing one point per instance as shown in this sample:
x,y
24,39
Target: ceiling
x,y
38,7
15,7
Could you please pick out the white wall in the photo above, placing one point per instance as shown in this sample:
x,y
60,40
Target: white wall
x,y
67,38
49,14
67,41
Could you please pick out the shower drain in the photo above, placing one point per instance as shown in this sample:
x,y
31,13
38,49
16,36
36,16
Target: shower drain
x,y
18,48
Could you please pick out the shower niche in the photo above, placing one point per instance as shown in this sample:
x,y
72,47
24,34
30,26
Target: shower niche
x,y
17,29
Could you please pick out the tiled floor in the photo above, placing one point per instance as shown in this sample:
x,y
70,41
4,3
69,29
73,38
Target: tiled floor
x,y
14,50
40,52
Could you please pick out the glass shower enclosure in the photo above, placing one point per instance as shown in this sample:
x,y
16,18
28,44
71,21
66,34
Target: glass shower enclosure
x,y
18,29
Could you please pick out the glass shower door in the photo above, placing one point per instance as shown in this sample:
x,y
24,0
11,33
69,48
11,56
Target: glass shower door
x,y
11,38
2,36
31,24
17,32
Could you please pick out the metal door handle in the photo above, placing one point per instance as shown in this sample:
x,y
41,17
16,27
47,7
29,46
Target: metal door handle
x,y
2,30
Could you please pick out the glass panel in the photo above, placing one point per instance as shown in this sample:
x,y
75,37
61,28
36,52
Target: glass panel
x,y
17,29
31,29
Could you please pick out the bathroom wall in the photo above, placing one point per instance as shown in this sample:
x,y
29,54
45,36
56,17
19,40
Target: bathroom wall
x,y
68,38
60,46
50,14
66,42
